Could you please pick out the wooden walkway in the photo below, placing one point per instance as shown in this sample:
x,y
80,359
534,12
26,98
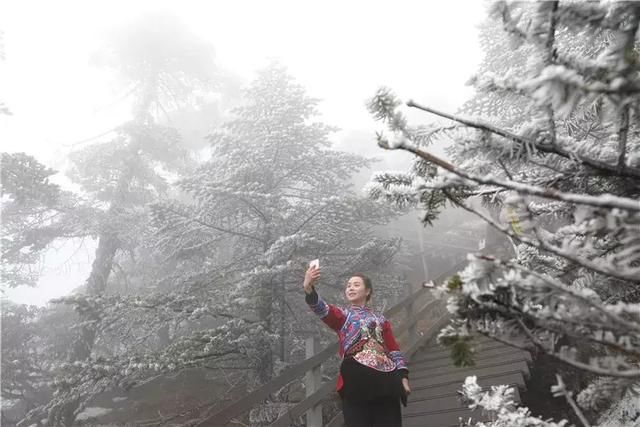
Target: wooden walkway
x,y
435,382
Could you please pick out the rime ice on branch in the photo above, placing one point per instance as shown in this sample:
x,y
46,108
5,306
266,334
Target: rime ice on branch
x,y
552,138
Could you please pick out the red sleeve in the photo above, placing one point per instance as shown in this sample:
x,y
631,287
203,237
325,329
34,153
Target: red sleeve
x,y
387,336
331,315
335,318
392,346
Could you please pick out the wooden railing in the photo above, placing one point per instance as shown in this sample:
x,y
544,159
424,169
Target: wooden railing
x,y
433,312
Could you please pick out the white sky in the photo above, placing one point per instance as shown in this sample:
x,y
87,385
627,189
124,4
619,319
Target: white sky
x,y
341,51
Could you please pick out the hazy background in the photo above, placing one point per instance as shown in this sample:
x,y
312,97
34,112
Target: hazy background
x,y
340,51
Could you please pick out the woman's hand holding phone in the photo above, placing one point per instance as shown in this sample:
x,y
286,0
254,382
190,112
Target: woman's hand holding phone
x,y
311,276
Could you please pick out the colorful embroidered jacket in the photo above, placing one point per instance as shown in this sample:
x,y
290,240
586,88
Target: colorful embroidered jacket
x,y
361,333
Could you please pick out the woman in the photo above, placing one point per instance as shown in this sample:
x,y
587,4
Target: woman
x,y
373,374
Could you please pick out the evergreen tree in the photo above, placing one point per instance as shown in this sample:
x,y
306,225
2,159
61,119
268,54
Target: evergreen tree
x,y
35,212
214,279
119,176
554,147
273,196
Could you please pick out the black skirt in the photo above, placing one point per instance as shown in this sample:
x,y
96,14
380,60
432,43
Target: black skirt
x,y
362,383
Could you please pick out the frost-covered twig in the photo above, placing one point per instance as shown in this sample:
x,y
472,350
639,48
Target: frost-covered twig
x,y
549,60
594,163
499,403
560,287
541,244
623,131
604,201
561,390
213,226
630,373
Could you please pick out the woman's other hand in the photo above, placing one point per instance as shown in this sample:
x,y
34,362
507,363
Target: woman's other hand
x,y
405,384
310,278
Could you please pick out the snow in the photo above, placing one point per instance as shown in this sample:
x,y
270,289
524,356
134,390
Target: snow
x,y
623,413
92,412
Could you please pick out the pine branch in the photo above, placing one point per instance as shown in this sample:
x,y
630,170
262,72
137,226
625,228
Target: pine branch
x,y
630,373
594,163
505,170
561,389
308,219
550,60
503,341
623,131
591,14
604,201
538,244
558,286
214,227
569,328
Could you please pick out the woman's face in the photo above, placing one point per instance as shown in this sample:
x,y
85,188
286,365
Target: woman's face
x,y
356,292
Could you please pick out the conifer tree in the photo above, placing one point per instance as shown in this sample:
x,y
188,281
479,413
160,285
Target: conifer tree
x,y
119,175
552,141
272,197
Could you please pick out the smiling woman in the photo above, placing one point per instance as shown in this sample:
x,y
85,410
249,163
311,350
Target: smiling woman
x,y
373,375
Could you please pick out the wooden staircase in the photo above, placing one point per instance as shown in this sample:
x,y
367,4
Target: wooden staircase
x,y
435,381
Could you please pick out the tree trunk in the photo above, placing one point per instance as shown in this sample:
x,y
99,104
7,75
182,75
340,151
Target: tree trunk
x,y
96,284
264,368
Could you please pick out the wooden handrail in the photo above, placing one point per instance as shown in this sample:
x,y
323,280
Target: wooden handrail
x,y
415,317
301,407
433,329
411,298
224,416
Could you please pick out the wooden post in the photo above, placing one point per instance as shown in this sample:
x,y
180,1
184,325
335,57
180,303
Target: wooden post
x,y
313,380
409,311
425,268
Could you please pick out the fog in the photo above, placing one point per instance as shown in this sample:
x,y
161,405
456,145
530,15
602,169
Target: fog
x,y
170,168
270,213
341,53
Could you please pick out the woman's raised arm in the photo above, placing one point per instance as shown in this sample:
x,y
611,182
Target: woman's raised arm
x,y
331,315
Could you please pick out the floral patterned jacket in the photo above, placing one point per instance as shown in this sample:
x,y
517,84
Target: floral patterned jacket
x,y
361,333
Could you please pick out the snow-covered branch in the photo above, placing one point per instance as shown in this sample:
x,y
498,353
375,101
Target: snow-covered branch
x,y
546,148
595,369
604,201
631,276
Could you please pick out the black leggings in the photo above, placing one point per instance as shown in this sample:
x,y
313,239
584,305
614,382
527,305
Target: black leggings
x,y
381,412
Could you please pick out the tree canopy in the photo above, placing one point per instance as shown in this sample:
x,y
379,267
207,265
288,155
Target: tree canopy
x,y
550,146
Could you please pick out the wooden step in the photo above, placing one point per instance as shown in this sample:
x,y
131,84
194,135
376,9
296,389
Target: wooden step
x,y
479,358
435,390
444,402
496,361
476,341
439,352
445,418
447,375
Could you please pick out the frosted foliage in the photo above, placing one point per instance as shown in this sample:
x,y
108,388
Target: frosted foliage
x,y
498,403
548,147
623,413
202,274
600,392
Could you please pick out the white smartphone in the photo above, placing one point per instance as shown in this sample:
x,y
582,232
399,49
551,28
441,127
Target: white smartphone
x,y
315,263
